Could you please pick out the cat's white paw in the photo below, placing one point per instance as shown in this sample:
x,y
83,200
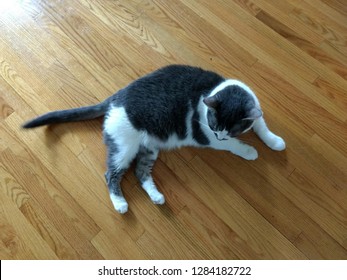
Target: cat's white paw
x,y
158,198
119,203
122,209
276,143
250,153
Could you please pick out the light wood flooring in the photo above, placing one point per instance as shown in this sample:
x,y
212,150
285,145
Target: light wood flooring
x,y
57,54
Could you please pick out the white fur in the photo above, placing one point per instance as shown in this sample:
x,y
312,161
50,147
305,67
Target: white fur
x,y
119,203
222,86
152,191
221,135
270,139
128,139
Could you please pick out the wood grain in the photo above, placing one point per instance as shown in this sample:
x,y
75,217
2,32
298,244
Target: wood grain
x,y
62,54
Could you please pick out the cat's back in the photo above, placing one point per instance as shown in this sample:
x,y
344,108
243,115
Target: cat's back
x,y
161,101
172,83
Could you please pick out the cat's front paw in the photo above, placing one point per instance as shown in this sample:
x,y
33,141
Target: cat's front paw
x,y
250,153
276,143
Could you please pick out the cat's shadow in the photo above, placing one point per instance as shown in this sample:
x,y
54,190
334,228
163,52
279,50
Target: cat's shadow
x,y
249,177
269,165
55,132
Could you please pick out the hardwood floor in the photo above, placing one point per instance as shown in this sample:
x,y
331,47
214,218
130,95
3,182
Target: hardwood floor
x,y
57,54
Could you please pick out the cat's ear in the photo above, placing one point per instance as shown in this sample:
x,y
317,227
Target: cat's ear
x,y
254,114
211,102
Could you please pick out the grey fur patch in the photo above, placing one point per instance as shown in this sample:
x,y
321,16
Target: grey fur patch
x,y
145,161
113,178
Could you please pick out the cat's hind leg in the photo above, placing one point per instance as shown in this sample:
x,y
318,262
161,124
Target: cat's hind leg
x,y
118,161
270,139
113,178
145,161
123,142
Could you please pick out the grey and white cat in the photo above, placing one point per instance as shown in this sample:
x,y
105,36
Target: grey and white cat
x,y
169,108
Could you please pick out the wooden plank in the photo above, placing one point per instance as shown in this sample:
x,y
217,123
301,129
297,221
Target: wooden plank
x,y
53,202
280,11
265,194
123,249
231,208
18,238
321,53
321,19
268,52
52,236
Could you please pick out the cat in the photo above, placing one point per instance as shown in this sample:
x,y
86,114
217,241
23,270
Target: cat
x,y
174,106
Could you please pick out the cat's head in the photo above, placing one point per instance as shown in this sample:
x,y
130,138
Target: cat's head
x,y
231,112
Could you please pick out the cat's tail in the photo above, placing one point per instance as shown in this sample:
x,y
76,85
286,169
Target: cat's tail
x,y
71,115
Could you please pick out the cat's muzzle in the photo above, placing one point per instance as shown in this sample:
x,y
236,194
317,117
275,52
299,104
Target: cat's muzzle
x,y
220,139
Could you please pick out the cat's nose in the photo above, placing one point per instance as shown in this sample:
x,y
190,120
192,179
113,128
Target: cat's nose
x,y
218,137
